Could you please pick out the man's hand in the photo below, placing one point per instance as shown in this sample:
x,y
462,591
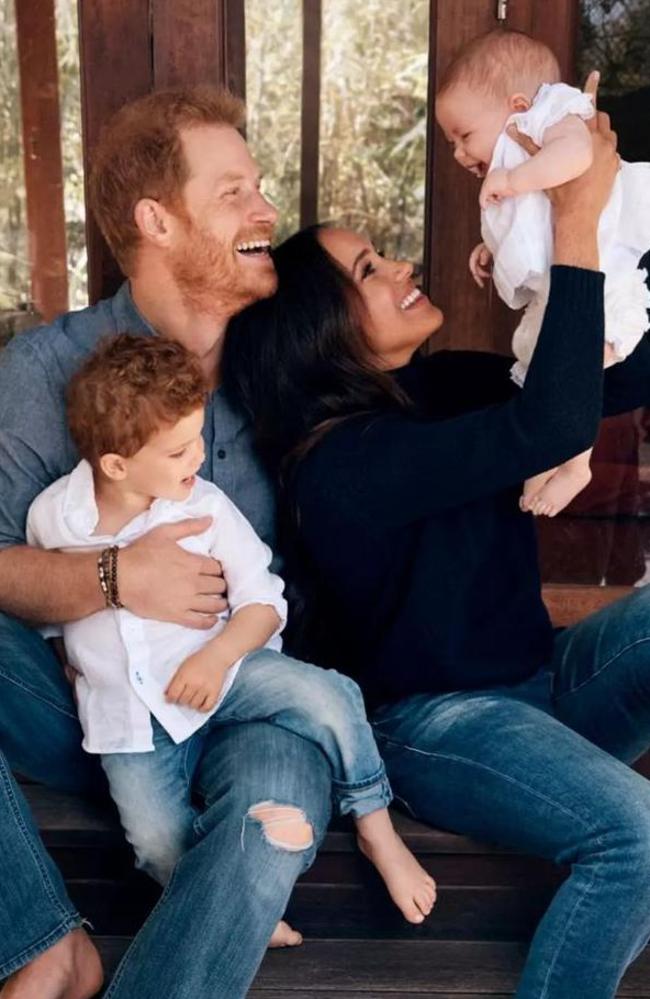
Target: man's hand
x,y
159,579
198,681
496,186
480,263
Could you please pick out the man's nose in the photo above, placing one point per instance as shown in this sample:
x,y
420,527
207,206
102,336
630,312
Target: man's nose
x,y
264,210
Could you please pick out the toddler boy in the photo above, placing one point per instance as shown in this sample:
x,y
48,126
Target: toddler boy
x,y
148,692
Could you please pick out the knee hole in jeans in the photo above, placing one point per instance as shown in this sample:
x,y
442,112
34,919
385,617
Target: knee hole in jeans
x,y
283,826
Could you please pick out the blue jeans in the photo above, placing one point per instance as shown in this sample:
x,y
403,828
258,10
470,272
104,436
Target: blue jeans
x,y
236,879
153,790
542,768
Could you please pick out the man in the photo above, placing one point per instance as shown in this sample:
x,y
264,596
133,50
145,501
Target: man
x,y
177,196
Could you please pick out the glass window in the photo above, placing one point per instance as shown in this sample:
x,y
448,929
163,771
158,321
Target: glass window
x,y
14,264
603,538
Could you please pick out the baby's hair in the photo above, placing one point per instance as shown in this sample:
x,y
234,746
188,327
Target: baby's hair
x,y
501,63
128,389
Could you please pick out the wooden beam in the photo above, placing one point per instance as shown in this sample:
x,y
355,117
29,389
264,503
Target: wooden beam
x,y
41,126
199,41
310,113
567,604
116,67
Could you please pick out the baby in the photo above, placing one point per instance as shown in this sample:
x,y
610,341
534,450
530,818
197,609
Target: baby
x,y
506,78
149,692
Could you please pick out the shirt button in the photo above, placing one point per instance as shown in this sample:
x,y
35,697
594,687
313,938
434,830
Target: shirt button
x,y
221,453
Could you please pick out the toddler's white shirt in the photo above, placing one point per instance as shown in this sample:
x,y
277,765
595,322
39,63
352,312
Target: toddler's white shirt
x,y
519,234
126,662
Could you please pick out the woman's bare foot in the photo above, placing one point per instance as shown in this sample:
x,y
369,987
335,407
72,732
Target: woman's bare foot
x,y
412,890
284,936
70,969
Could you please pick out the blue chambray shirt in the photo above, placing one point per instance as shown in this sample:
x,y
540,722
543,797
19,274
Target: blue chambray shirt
x,y
36,447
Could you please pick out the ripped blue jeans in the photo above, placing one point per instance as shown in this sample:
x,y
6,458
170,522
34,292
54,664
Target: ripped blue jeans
x,y
153,790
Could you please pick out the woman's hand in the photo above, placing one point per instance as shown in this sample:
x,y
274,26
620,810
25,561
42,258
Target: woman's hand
x,y
577,205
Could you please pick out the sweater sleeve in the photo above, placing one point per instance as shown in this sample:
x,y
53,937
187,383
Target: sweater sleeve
x,y
627,385
396,469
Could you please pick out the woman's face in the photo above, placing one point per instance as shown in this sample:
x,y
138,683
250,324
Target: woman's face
x,y
399,318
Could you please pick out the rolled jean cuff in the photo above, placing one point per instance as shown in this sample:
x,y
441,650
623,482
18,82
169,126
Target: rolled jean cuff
x,y
72,921
363,797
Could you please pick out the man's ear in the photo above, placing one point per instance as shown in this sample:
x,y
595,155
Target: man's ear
x,y
519,103
153,221
113,466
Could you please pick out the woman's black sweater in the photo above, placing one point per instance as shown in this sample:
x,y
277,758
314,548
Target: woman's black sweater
x,y
427,570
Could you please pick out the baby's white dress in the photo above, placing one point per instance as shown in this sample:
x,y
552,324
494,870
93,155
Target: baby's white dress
x,y
519,235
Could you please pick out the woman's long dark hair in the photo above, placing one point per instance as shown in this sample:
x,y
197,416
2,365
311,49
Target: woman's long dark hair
x,y
299,362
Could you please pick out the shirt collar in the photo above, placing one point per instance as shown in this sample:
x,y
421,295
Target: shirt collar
x,y
128,318
79,507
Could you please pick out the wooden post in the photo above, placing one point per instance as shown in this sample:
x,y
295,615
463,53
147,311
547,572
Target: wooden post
x,y
116,67
476,319
39,98
128,47
310,114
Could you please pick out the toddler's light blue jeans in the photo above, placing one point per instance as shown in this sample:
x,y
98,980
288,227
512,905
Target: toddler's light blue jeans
x,y
153,790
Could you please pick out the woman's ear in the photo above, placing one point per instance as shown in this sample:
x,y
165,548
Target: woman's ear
x,y
519,103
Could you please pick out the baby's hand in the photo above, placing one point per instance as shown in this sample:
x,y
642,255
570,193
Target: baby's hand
x,y
480,264
197,682
496,186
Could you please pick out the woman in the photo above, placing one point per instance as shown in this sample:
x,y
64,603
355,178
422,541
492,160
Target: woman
x,y
401,480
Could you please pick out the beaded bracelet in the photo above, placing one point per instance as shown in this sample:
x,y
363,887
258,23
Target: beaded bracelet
x,y
107,572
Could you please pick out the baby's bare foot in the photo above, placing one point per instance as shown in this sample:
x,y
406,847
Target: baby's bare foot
x,y
284,936
565,484
70,969
412,890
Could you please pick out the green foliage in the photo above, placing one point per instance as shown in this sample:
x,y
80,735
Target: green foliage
x,y
615,38
373,117
373,114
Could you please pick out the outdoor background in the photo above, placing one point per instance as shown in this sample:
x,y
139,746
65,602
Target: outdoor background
x,y
373,120
373,116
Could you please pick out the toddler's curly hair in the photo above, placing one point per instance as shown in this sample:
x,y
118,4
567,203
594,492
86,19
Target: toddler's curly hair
x,y
129,388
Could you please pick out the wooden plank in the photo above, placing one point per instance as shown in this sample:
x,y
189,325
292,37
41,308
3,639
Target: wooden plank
x,y
235,47
556,24
66,819
310,111
475,318
199,41
377,968
116,67
346,912
188,42
41,127
568,604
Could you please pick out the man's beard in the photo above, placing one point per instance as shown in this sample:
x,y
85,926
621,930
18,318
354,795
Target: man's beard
x,y
209,278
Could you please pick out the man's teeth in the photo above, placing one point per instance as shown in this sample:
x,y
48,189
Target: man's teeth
x,y
258,244
410,298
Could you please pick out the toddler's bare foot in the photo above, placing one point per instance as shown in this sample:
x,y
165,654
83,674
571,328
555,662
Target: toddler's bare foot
x,y
284,936
560,489
70,969
412,890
